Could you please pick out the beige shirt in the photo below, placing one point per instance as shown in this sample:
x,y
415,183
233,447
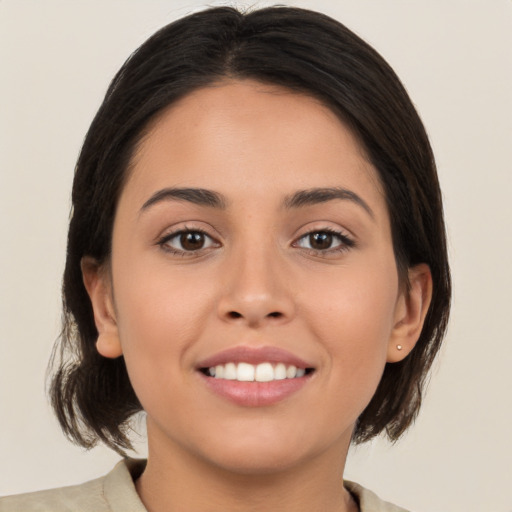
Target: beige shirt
x,y
115,492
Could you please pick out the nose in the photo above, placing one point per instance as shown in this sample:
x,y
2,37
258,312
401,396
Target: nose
x,y
256,290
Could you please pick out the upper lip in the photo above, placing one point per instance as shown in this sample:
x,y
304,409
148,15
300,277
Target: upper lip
x,y
254,355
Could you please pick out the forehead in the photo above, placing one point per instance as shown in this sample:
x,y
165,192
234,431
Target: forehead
x,y
245,135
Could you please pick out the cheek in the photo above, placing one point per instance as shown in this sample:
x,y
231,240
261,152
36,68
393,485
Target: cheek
x,y
157,301
354,321
159,323
160,317
357,303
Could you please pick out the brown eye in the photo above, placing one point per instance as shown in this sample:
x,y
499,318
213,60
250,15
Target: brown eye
x,y
325,241
320,241
187,241
192,241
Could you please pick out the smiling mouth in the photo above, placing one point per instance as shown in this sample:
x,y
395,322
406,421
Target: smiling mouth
x,y
262,372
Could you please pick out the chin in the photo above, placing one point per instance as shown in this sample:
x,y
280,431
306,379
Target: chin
x,y
258,462
266,453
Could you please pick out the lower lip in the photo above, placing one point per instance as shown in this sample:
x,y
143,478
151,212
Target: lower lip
x,y
255,394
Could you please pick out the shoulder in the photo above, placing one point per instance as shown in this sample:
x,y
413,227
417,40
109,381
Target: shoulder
x,y
87,496
114,492
369,501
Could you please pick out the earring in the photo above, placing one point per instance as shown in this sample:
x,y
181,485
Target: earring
x,y
399,347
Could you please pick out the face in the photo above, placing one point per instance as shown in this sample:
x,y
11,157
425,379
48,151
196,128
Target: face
x,y
253,288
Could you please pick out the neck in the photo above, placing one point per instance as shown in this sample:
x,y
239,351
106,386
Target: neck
x,y
177,480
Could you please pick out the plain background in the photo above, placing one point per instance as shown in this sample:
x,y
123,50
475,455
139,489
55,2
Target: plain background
x,y
455,59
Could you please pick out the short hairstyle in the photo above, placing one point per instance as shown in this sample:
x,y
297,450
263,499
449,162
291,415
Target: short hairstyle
x,y
303,51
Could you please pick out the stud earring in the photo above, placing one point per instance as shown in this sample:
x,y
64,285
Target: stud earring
x,y
399,347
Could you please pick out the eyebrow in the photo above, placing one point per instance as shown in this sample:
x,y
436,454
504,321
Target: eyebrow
x,y
199,196
209,198
314,196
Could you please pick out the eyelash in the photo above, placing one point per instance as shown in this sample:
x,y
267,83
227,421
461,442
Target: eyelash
x,y
346,243
163,242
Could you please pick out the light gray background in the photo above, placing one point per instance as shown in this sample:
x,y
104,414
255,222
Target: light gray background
x,y
455,59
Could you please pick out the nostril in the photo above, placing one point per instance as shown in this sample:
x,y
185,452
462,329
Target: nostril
x,y
236,314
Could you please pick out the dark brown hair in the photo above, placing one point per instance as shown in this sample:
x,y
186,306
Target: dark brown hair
x,y
303,51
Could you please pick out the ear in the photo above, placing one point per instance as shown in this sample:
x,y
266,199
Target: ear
x,y
98,285
410,312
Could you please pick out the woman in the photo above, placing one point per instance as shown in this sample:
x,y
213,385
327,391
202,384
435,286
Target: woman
x,y
257,259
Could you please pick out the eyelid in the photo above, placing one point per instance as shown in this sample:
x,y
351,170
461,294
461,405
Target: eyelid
x,y
346,240
163,240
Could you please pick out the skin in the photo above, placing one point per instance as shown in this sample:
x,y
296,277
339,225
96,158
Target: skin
x,y
256,282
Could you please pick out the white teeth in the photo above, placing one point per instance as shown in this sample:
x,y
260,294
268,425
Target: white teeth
x,y
263,372
280,371
291,371
245,372
230,372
